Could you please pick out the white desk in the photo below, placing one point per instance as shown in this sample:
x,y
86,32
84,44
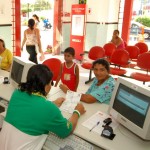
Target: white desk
x,y
124,139
4,73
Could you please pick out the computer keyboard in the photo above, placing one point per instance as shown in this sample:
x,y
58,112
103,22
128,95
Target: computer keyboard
x,y
72,142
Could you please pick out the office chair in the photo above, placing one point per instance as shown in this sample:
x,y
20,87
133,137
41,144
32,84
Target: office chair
x,y
143,62
54,65
95,53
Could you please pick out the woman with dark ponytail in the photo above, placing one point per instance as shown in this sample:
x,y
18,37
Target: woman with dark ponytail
x,y
30,116
32,40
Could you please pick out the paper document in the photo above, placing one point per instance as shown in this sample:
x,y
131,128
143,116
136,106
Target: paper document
x,y
95,122
71,101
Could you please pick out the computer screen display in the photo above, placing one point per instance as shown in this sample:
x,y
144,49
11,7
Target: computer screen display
x,y
16,72
131,104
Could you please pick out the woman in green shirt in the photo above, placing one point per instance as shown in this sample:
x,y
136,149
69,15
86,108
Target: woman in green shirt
x,y
32,115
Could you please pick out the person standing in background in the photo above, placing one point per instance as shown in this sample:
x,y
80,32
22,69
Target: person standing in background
x,y
37,21
33,41
5,57
69,73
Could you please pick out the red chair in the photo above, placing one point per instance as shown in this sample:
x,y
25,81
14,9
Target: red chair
x,y
143,62
95,53
54,65
120,58
142,46
109,49
133,51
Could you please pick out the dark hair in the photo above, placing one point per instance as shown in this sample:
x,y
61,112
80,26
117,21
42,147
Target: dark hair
x,y
103,62
37,78
36,17
116,31
31,23
2,42
70,50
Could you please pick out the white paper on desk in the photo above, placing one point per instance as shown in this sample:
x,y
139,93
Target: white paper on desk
x,y
71,101
99,116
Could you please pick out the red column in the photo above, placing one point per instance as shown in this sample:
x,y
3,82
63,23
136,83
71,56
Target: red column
x,y
17,28
126,19
57,26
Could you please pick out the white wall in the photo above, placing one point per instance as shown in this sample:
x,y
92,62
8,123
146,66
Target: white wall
x,y
5,22
101,10
5,12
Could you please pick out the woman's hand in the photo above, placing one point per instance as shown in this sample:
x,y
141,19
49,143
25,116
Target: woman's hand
x,y
80,108
42,57
59,101
64,88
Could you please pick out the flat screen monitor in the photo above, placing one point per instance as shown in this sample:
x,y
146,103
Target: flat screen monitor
x,y
130,106
19,70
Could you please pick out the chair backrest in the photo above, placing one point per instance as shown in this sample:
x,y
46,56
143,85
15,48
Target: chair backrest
x,y
96,52
120,57
54,65
143,61
142,46
109,49
133,51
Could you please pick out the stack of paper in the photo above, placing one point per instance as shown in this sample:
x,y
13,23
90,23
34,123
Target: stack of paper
x,y
71,101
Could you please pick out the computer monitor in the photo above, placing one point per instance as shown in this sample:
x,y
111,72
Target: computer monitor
x,y
130,106
19,70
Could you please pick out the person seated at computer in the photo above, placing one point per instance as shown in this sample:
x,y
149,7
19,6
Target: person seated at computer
x,y
5,57
30,116
117,40
102,85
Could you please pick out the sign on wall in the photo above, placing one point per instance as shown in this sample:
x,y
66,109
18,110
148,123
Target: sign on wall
x,y
77,37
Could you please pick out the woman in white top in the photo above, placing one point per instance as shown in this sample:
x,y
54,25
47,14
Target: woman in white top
x,y
37,21
32,40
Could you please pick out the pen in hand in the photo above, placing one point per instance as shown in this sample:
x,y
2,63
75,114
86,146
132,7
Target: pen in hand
x,y
94,126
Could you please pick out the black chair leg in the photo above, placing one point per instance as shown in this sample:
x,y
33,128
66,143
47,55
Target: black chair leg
x,y
90,77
